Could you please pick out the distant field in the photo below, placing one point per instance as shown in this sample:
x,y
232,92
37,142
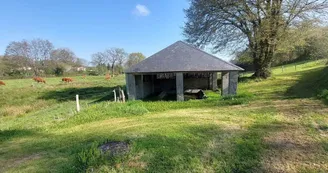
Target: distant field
x,y
274,125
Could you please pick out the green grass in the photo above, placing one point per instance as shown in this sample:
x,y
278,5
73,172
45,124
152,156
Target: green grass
x,y
274,125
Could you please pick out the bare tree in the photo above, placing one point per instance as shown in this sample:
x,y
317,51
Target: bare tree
x,y
18,53
40,53
258,23
40,49
64,55
33,54
111,57
98,59
119,56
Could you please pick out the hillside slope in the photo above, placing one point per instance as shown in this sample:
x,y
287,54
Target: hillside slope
x,y
274,125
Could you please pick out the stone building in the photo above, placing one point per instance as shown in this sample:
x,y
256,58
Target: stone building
x,y
178,67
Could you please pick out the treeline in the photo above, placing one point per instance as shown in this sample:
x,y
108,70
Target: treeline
x,y
38,57
302,43
114,61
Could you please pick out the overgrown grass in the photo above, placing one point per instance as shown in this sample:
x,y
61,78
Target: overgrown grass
x,y
273,125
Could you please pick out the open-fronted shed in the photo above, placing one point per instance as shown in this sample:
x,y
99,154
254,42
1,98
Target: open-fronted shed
x,y
178,67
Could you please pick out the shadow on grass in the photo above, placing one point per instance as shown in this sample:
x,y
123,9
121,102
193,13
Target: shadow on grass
x,y
310,84
6,135
245,78
196,148
206,149
97,94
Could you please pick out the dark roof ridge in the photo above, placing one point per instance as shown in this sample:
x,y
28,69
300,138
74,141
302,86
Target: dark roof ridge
x,y
196,48
181,56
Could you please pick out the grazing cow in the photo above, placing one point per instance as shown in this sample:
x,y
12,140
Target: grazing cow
x,y
107,77
84,76
39,80
67,79
2,83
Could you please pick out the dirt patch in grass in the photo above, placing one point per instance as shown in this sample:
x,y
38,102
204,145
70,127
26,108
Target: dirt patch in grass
x,y
15,162
115,147
11,110
136,162
293,150
297,108
15,110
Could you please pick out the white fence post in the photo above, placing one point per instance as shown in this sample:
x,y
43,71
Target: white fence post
x,y
77,103
114,95
123,96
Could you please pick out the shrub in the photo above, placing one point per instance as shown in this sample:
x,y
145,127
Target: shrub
x,y
93,73
97,159
89,158
324,95
59,71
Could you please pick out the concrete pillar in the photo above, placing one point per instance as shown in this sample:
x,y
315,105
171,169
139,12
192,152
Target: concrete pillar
x,y
139,87
127,84
131,86
142,93
179,86
214,81
225,83
233,82
152,84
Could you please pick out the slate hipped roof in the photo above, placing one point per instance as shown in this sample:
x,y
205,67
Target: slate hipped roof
x,y
182,57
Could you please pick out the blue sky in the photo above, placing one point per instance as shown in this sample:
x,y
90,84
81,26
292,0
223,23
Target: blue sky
x,y
88,27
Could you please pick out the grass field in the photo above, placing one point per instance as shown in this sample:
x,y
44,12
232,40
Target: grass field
x,y
274,125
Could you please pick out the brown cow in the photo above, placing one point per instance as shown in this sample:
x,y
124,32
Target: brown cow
x,y
107,77
2,83
67,79
39,80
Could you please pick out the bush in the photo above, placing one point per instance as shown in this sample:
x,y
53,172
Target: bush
x,y
93,73
59,71
95,159
324,95
89,158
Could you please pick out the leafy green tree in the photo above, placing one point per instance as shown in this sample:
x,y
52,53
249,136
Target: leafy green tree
x,y
134,58
316,45
259,24
59,71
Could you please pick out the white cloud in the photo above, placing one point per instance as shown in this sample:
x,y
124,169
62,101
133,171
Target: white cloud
x,y
141,10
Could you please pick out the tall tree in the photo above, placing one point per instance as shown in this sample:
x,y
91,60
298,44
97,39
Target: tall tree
x,y
98,59
113,57
32,54
117,56
134,58
18,53
40,50
258,23
64,55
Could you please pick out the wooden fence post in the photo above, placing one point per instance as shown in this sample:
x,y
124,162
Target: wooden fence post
x,y
77,103
123,96
120,94
114,95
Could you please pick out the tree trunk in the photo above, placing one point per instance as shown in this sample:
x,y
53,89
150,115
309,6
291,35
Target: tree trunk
x,y
112,69
262,70
262,59
35,72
